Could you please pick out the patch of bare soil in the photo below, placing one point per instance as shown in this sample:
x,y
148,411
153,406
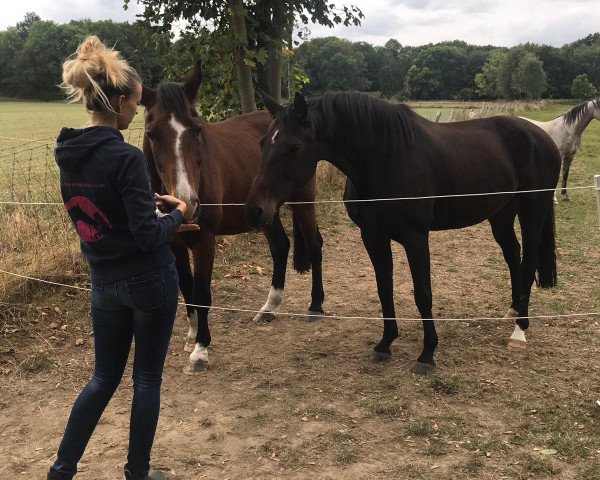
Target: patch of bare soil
x,y
296,399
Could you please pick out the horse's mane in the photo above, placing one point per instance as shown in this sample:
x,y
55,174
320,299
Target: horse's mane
x,y
578,111
171,97
359,122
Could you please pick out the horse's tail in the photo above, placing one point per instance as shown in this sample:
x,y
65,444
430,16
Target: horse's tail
x,y
301,259
547,253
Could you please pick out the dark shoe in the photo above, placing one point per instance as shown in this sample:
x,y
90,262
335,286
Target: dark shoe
x,y
152,475
57,476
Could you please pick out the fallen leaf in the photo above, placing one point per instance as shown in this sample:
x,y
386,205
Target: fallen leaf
x,y
79,341
548,451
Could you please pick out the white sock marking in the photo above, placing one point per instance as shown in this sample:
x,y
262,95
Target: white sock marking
x,y
518,334
199,353
274,300
193,323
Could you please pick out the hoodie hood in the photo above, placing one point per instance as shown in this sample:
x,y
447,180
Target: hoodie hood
x,y
75,145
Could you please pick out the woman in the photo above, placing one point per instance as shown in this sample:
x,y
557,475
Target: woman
x,y
105,187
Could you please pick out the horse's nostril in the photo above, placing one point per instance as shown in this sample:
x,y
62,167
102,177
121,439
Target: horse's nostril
x,y
195,201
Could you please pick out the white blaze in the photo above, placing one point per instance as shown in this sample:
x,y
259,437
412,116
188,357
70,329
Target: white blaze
x,y
274,135
183,188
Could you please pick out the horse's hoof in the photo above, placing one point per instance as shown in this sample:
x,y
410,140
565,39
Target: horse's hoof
x,y
423,368
516,345
555,201
195,368
190,344
313,316
379,357
265,317
566,198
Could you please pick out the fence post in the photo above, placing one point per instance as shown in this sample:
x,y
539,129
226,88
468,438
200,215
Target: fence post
x,y
597,187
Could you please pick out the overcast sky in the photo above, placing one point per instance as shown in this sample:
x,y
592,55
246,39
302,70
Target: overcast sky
x,y
411,22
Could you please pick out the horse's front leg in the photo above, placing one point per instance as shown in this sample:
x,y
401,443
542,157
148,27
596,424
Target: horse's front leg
x,y
184,271
416,245
279,245
308,241
380,252
203,252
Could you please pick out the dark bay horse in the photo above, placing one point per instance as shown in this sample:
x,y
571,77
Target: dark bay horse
x,y
214,163
389,151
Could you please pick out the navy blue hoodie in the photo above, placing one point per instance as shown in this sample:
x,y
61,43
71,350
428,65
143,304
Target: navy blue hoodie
x,y
105,187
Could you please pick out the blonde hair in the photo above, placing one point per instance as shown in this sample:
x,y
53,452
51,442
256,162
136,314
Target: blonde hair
x,y
95,74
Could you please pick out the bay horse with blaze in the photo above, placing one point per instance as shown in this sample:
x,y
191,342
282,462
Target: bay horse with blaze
x,y
389,151
207,165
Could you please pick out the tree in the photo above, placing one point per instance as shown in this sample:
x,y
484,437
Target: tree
x,y
393,73
24,26
10,45
439,71
486,81
582,88
269,28
533,77
374,61
332,64
513,80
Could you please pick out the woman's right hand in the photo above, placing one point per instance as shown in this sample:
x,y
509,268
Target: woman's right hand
x,y
170,201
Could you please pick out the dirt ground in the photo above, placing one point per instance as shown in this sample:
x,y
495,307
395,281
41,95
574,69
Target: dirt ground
x,y
295,399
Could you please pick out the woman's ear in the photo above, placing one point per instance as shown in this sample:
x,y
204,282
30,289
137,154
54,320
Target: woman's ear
x,y
120,103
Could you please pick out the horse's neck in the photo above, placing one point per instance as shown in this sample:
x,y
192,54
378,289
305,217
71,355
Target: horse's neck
x,y
584,120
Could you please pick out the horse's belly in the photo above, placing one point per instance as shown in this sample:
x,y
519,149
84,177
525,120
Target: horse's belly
x,y
460,213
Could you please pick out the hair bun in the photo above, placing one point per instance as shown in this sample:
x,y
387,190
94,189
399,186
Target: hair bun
x,y
94,67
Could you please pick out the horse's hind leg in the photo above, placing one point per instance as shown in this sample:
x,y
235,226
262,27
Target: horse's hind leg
x,y
279,245
308,241
184,271
532,215
565,175
204,254
504,233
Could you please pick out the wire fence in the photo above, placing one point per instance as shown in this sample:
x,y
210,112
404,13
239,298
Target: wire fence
x,y
35,238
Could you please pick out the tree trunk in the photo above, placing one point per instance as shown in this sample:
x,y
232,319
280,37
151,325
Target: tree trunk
x,y
244,73
275,61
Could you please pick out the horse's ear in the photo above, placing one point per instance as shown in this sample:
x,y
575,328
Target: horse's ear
x,y
270,103
192,82
148,96
300,108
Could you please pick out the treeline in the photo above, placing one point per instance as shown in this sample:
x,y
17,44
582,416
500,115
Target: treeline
x,y
453,70
31,54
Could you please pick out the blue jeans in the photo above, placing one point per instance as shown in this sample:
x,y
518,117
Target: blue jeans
x,y
141,307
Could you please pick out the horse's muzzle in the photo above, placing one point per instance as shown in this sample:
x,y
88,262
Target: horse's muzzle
x,y
255,216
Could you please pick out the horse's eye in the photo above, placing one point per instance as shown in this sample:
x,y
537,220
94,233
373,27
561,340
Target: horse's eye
x,y
196,130
150,135
293,147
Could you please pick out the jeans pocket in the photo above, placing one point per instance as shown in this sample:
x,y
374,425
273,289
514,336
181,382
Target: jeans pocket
x,y
147,292
97,299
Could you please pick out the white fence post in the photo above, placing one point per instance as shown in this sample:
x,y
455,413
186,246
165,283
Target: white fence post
x,y
597,187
